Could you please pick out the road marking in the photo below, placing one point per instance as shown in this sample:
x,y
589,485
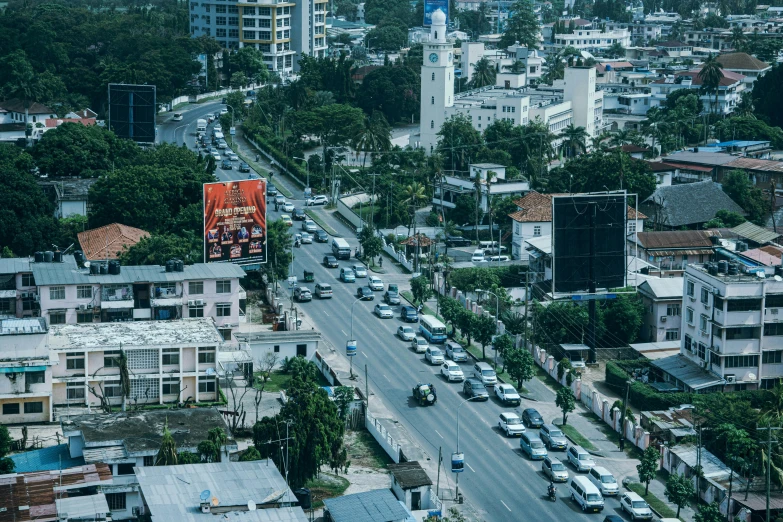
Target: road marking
x,y
505,505
327,315
365,354
441,436
471,469
343,331
384,376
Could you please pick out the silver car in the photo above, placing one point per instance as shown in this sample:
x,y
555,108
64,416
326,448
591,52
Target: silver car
x,y
456,352
553,437
307,239
554,469
406,333
360,270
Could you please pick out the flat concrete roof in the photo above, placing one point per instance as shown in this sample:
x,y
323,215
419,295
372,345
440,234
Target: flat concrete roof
x,y
279,337
134,334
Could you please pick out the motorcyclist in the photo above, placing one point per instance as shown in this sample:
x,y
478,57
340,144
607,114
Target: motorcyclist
x,y
297,243
551,490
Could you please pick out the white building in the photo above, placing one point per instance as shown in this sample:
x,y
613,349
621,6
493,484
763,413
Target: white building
x,y
586,102
453,187
437,83
588,40
730,90
662,298
530,57
282,30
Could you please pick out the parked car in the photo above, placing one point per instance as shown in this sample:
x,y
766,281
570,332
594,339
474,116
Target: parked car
x,y
406,333
391,297
456,352
375,283
579,458
307,239
474,388
408,314
381,310
507,394
633,504
321,236
287,220
532,418
433,355
360,270
553,437
244,167
555,470
288,206
420,344
347,275
365,294
478,257
317,200
457,241
299,215
302,294
330,262
450,370
511,424
309,225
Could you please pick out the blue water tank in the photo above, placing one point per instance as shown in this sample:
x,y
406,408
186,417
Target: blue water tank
x,y
608,67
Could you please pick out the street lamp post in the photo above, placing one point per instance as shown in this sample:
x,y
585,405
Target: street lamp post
x,y
307,168
352,342
456,493
497,313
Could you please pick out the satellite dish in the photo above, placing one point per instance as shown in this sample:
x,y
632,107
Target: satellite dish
x,y
760,274
251,506
215,501
778,278
205,495
752,376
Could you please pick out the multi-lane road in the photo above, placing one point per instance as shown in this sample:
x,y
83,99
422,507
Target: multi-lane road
x,y
501,483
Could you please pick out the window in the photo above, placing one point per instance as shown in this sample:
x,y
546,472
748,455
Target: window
x,y
196,311
632,227
433,77
28,280
112,389
537,230
74,391
125,469
689,315
688,345
220,9
705,296
56,318
301,350
264,11
703,323
170,356
742,332
111,358
233,33
702,351
220,20
673,335
715,359
432,124
56,292
170,385
741,361
35,377
84,292
225,333
249,35
11,408
689,288
206,355
673,309
83,317
277,348
432,100
223,287
74,361
233,9
775,357
206,385
743,305
223,309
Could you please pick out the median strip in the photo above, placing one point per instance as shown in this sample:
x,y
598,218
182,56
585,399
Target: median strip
x,y
329,230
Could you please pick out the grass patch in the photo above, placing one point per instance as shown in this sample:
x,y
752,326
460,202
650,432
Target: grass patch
x,y
364,450
655,503
546,378
279,381
324,486
631,451
329,230
577,437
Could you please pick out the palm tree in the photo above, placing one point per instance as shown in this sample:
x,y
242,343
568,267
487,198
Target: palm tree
x,y
598,143
483,73
23,83
413,194
737,38
745,106
518,67
576,139
374,136
625,136
651,127
710,75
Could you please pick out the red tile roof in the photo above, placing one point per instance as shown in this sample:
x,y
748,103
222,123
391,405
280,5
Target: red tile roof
x,y
537,208
696,168
108,242
56,122
675,239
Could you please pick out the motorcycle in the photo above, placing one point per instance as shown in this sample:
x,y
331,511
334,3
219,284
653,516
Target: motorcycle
x,y
552,493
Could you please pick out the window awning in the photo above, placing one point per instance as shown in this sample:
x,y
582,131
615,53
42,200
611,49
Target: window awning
x,y
117,304
22,369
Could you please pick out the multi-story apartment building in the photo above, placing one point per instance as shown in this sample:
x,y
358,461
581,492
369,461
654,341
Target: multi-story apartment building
x,y
282,30
61,292
730,90
732,324
662,300
168,361
585,39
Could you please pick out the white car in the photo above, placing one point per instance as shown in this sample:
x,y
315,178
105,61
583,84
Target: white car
x,y
279,199
510,423
307,239
232,156
309,225
288,207
406,333
478,257
451,371
635,506
177,117
434,355
216,156
507,394
375,283
217,128
223,111
360,270
420,345
317,200
383,311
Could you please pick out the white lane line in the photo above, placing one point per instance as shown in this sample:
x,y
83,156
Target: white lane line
x,y
471,469
384,376
441,436
343,331
505,505
327,315
365,354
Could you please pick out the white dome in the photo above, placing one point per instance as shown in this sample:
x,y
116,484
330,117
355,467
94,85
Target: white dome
x,y
438,17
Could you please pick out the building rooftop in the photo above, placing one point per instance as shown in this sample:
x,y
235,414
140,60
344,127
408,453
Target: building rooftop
x,y
70,189
174,492
542,243
712,467
667,239
134,334
690,203
761,257
742,62
657,350
537,208
663,288
45,459
21,326
743,143
139,432
108,242
87,507
67,273
15,265
409,475
279,336
17,105
688,372
31,496
378,505
755,233
755,164
729,78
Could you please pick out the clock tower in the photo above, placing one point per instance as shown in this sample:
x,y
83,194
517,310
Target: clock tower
x,y
437,82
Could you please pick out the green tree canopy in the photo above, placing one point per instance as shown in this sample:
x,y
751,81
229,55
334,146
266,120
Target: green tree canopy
x,y
648,466
679,490
566,401
519,365
766,96
6,464
737,185
598,171
157,249
522,26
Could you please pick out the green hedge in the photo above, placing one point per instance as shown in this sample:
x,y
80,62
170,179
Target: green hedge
x,y
282,159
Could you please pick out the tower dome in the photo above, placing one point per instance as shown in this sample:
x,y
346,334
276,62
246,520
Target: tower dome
x,y
438,17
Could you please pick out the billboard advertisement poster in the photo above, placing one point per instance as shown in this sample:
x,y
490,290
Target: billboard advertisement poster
x,y
235,221
430,6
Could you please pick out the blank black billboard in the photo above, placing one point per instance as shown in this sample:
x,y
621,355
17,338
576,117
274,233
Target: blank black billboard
x,y
588,229
132,111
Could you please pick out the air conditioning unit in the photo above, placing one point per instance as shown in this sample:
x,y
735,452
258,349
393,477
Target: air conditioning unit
x,y
191,302
137,511
663,318
82,307
200,302
730,379
773,311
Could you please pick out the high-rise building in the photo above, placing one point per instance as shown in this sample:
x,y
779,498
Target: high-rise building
x,y
281,30
437,82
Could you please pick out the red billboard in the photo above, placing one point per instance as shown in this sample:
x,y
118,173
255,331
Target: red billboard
x,y
235,221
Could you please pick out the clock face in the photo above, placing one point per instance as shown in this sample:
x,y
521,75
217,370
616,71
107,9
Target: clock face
x,y
433,57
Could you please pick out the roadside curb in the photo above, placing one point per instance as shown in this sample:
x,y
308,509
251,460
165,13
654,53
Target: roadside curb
x,y
572,441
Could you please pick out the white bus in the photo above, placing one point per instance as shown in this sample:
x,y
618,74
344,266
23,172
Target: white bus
x,y
432,329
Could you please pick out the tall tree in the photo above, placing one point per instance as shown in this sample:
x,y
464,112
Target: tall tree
x,y
522,26
458,143
711,74
483,329
679,490
709,513
519,365
484,73
420,289
374,136
167,454
738,187
766,96
576,139
20,81
648,466
334,124
566,401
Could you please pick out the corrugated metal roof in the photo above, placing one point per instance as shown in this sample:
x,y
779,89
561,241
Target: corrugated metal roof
x,y
45,459
15,265
663,288
86,507
685,370
378,505
756,164
755,233
66,273
104,454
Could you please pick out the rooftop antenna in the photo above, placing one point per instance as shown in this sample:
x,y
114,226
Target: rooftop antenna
x,y
251,506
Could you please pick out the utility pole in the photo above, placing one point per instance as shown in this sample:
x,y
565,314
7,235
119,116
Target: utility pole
x,y
527,294
622,413
772,205
769,461
591,340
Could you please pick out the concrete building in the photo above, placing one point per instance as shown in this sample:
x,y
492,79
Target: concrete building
x,y
671,251
534,64
168,361
70,196
25,372
129,440
586,102
285,344
662,299
730,90
749,67
587,39
452,187
437,83
282,30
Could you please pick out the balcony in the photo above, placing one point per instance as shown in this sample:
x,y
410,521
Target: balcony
x,y
737,318
773,315
740,346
